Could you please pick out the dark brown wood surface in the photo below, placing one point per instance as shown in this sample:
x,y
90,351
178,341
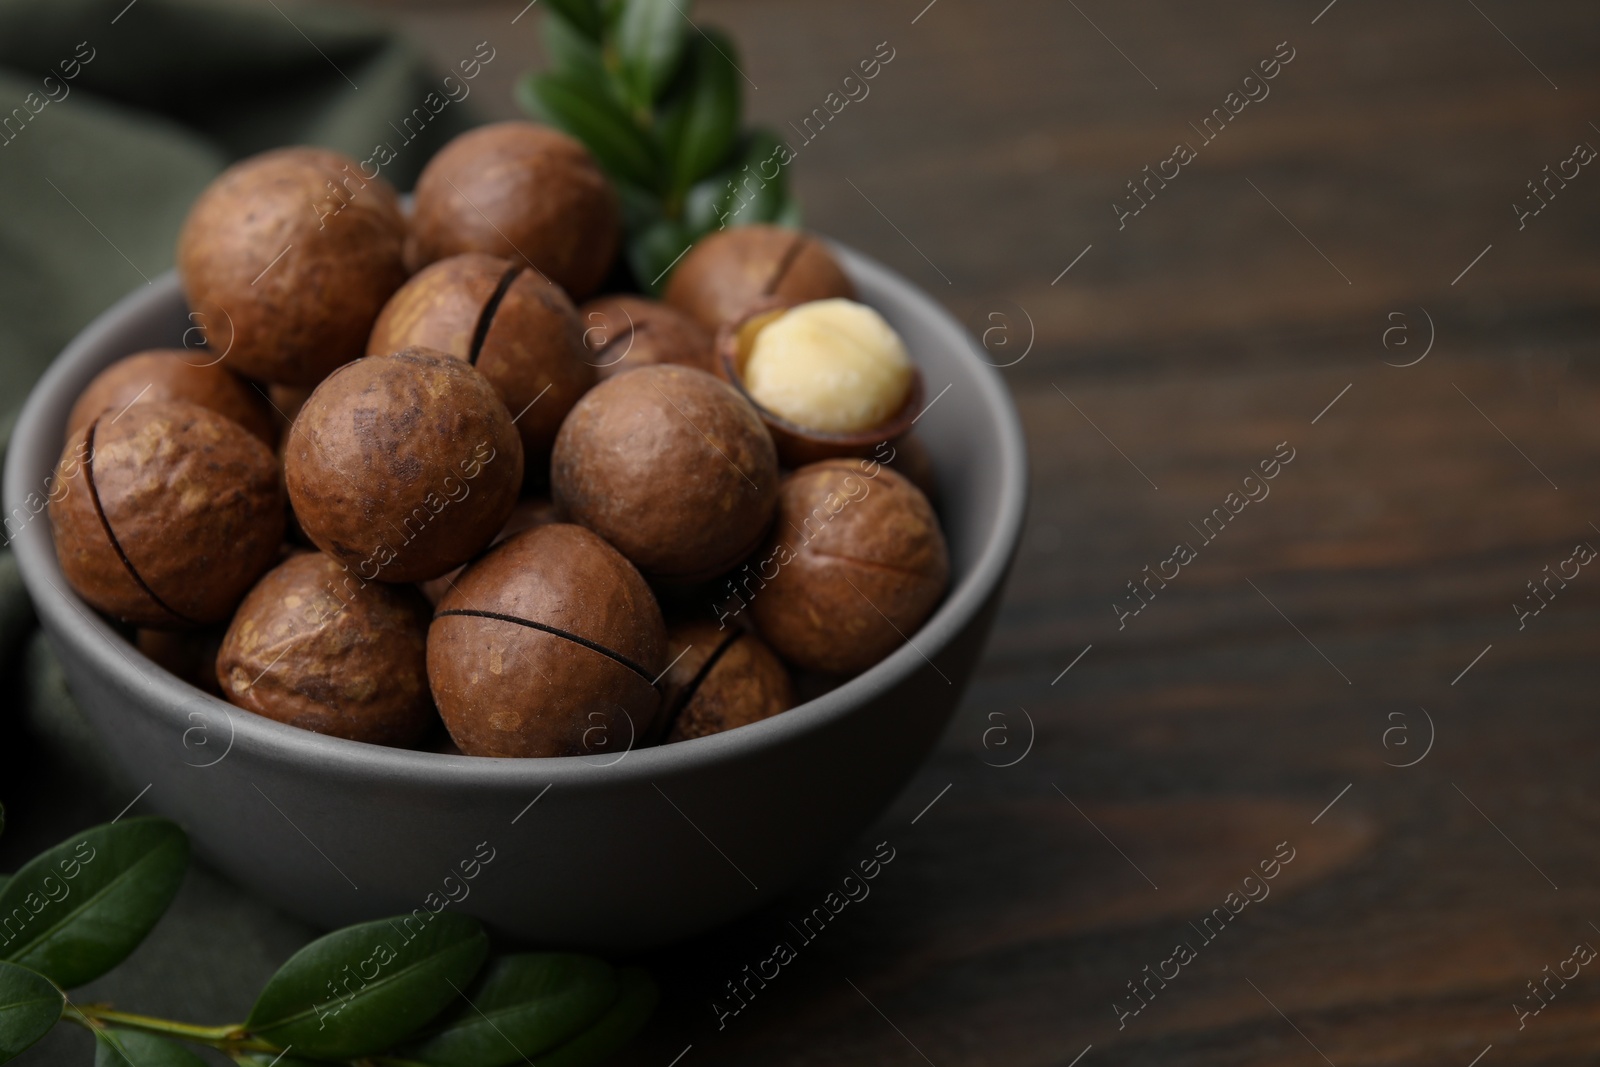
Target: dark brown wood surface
x,y
1359,617
1258,686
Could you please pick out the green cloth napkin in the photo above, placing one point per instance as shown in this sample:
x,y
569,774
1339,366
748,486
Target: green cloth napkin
x,y
113,117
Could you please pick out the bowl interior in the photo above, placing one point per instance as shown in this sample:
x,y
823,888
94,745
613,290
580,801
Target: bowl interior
x,y
969,425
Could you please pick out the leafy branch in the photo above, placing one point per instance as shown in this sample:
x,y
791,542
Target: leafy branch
x,y
411,991
658,100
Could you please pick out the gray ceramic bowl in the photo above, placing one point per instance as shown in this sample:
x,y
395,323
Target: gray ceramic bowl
x,y
592,852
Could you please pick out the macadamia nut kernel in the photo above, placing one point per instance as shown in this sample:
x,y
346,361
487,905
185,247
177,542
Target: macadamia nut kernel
x,y
830,365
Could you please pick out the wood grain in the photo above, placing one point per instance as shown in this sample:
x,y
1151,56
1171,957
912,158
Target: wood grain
x,y
1217,724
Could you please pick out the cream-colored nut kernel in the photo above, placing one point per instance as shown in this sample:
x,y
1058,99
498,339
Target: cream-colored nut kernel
x,y
831,365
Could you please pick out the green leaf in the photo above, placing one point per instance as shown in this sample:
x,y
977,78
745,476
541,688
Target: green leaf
x,y
650,38
593,118
635,1001
640,207
130,1048
76,910
760,184
653,251
706,201
359,990
700,124
520,1006
274,1059
571,50
29,1007
789,213
584,15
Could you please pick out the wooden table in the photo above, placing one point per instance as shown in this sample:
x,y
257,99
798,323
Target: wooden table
x,y
1342,270
1358,617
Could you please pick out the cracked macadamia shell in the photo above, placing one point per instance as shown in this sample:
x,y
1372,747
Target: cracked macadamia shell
x,y
315,647
624,333
721,677
729,271
548,646
830,366
165,515
286,259
520,332
174,374
521,191
857,563
670,465
403,466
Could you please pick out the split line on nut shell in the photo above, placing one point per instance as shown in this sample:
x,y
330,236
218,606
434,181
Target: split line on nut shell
x,y
105,524
593,646
785,261
518,655
480,331
686,697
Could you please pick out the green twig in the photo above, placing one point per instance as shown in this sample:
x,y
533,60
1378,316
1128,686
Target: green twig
x,y
229,1038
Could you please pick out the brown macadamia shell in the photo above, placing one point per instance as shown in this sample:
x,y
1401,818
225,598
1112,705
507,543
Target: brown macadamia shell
x,y
730,271
286,259
530,511
799,445
315,647
625,332
720,678
187,654
670,465
860,563
174,374
166,514
519,330
548,646
402,467
519,191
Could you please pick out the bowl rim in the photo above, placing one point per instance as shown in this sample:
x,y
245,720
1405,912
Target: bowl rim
x,y
107,651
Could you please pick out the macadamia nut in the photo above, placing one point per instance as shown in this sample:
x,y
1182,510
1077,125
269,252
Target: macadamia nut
x,y
729,271
316,647
165,515
830,365
858,563
670,465
550,645
403,467
286,259
173,374
720,678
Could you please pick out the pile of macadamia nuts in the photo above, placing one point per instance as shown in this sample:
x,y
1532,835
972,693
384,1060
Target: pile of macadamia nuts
x,y
408,481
